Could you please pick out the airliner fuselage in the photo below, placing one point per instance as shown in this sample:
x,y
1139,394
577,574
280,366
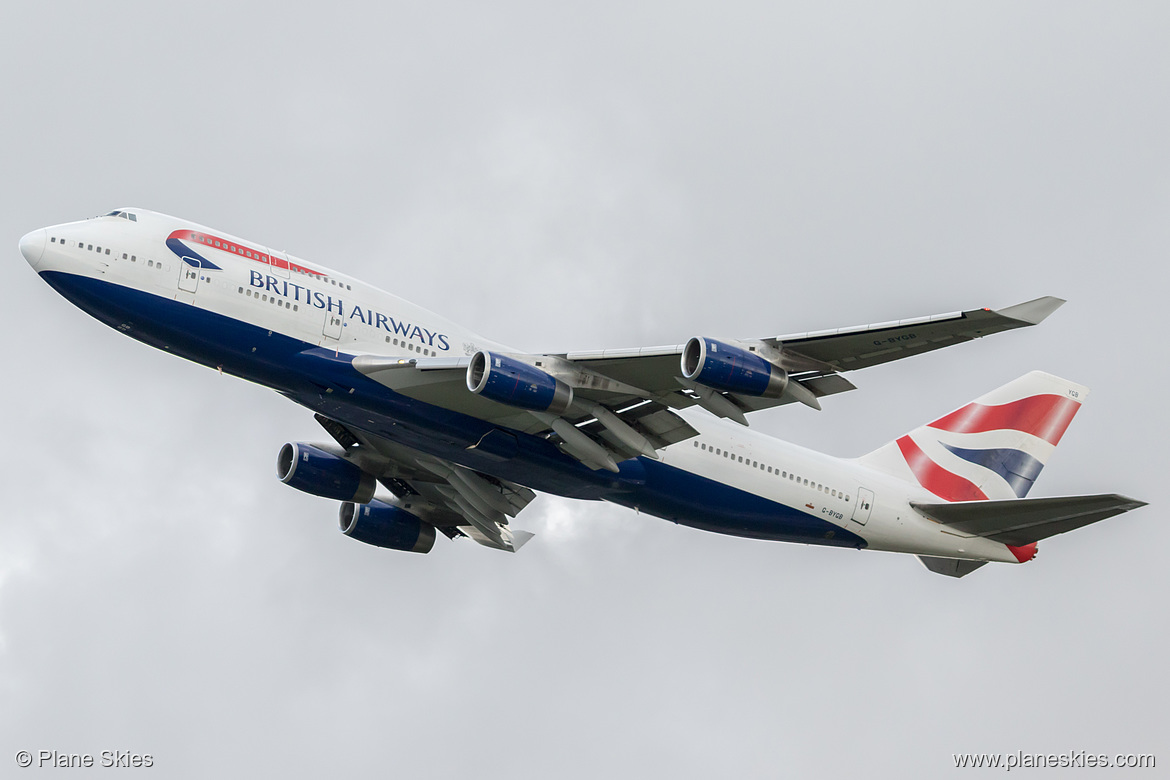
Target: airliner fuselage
x,y
258,313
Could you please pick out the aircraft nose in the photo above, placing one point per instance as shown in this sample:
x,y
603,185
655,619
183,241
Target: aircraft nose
x,y
32,246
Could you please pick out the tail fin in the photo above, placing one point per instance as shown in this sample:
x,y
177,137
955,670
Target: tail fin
x,y
993,447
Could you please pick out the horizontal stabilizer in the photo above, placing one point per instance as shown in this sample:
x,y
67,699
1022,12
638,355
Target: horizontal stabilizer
x,y
950,567
1021,521
520,538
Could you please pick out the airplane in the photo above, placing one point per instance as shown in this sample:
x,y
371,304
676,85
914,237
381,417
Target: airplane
x,y
435,429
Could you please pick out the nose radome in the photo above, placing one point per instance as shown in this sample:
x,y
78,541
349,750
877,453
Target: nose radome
x,y
32,246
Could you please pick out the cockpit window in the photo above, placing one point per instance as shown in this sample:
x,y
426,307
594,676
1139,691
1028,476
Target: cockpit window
x,y
123,215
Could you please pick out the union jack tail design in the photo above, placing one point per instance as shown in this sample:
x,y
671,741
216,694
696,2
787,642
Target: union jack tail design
x,y
991,448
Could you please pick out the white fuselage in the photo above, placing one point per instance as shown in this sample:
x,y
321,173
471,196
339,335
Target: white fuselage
x,y
249,283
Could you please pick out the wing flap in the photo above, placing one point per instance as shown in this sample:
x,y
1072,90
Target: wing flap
x,y
442,493
1022,521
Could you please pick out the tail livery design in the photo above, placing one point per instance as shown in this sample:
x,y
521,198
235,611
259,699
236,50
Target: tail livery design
x,y
981,461
992,448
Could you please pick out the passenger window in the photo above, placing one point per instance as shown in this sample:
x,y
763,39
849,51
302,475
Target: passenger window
x,y
150,263
107,251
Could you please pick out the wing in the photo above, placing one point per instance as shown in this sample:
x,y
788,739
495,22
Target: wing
x,y
456,500
848,349
615,404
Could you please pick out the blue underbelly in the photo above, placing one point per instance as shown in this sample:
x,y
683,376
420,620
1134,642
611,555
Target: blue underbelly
x,y
326,382
696,501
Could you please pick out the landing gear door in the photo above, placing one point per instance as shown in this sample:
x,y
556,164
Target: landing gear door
x,y
863,507
189,269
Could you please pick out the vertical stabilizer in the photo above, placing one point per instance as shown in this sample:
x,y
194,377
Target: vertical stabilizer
x,y
994,447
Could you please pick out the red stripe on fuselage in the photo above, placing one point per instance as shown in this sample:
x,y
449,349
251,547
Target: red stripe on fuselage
x,y
944,484
246,252
1044,416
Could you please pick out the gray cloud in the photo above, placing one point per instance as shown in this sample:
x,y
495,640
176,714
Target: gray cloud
x,y
571,178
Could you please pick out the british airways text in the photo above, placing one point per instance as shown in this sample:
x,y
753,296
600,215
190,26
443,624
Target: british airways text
x,y
301,294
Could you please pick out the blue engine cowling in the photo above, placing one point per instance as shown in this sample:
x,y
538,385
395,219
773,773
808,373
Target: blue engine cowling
x,y
732,369
512,382
314,470
386,525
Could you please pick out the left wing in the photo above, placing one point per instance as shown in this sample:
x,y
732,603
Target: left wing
x,y
456,500
605,406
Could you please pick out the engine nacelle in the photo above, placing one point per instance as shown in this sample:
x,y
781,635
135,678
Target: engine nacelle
x,y
315,470
386,525
512,382
732,369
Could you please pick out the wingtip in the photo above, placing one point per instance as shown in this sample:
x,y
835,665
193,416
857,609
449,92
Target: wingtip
x,y
1033,312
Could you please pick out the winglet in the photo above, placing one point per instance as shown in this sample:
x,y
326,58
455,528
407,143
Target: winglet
x,y
1032,312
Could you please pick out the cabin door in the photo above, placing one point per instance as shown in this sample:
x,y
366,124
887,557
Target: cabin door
x,y
189,269
863,506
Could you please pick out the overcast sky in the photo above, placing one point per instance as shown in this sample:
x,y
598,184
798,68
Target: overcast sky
x,y
604,175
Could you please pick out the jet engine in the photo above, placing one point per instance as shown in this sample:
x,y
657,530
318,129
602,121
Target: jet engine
x,y
386,525
510,381
316,470
732,369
